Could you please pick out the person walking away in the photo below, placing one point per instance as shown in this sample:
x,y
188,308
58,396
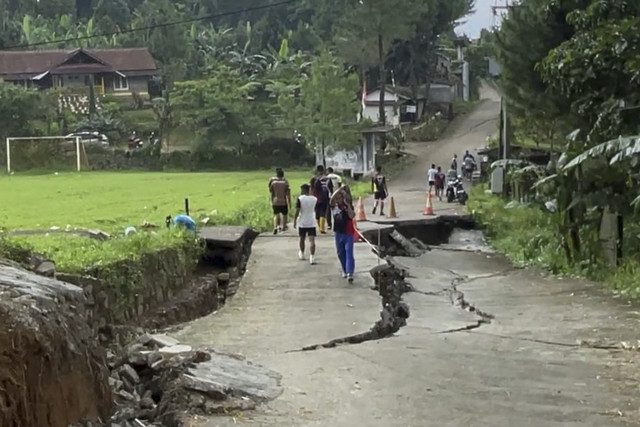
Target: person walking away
x,y
454,163
440,177
322,190
469,164
379,189
273,178
467,154
305,221
344,230
281,201
336,182
431,176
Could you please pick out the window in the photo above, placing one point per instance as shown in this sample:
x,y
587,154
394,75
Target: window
x,y
120,83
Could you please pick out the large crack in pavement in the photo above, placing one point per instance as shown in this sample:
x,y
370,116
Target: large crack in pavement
x,y
390,282
391,285
458,299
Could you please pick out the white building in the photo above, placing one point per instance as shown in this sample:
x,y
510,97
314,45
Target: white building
x,y
392,103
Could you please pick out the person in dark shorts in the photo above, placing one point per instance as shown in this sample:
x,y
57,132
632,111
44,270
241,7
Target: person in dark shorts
x,y
440,178
305,221
281,200
322,188
379,189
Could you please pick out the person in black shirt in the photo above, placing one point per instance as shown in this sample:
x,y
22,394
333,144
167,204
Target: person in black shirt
x,y
379,189
322,190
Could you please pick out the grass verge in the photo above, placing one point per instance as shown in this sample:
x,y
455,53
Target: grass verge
x,y
113,201
528,236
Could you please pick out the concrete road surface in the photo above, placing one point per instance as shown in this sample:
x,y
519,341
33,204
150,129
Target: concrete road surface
x,y
528,350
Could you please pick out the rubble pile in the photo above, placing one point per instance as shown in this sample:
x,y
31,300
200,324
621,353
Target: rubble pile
x,y
156,380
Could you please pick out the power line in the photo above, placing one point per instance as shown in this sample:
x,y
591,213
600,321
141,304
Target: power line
x,y
151,27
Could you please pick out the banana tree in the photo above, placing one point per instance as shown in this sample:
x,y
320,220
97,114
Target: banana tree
x,y
609,167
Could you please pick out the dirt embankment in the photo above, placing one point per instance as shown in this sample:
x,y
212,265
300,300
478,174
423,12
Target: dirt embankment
x,y
52,370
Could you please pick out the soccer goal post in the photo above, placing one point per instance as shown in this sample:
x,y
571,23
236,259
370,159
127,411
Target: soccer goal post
x,y
23,139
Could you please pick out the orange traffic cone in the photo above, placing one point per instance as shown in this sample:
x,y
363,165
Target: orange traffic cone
x,y
360,213
428,209
392,210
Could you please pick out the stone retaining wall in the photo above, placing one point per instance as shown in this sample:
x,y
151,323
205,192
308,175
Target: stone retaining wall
x,y
122,292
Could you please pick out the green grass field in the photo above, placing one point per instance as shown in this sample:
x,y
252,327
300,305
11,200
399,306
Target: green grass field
x,y
113,201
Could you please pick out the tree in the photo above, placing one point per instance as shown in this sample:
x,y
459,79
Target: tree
x,y
414,60
324,111
529,32
19,107
216,105
169,45
597,69
380,23
112,15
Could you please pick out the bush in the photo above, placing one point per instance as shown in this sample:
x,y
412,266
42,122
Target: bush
x,y
524,233
528,235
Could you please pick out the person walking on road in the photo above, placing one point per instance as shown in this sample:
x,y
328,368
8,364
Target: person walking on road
x,y
469,164
454,163
440,183
431,176
336,182
322,190
281,200
305,221
379,189
344,230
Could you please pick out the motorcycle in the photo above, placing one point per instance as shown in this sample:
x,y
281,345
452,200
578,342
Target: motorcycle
x,y
455,191
134,141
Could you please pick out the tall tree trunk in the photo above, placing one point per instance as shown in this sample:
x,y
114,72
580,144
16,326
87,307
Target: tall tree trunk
x,y
574,234
324,159
383,119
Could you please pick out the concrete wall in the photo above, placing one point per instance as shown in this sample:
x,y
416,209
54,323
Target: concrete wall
x,y
137,84
441,94
372,112
357,161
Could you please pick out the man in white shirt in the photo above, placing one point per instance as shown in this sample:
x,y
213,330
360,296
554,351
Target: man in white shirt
x,y
431,174
305,221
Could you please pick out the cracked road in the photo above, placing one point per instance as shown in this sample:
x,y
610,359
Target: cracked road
x,y
486,344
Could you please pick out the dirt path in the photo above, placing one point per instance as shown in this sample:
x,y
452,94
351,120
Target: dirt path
x,y
486,344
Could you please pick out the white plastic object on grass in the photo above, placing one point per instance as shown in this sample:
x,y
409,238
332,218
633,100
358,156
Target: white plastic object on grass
x,y
130,230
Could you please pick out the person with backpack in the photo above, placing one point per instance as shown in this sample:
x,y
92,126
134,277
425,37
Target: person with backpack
x,y
344,230
322,190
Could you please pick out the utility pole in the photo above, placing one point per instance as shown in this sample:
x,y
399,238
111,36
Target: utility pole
x,y
505,130
499,5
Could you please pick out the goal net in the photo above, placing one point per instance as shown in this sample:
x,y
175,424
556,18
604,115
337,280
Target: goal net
x,y
44,153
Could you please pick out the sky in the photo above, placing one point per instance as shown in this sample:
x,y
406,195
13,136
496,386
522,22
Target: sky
x,y
479,20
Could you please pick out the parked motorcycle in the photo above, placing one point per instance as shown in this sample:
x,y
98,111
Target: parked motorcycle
x,y
456,192
134,141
